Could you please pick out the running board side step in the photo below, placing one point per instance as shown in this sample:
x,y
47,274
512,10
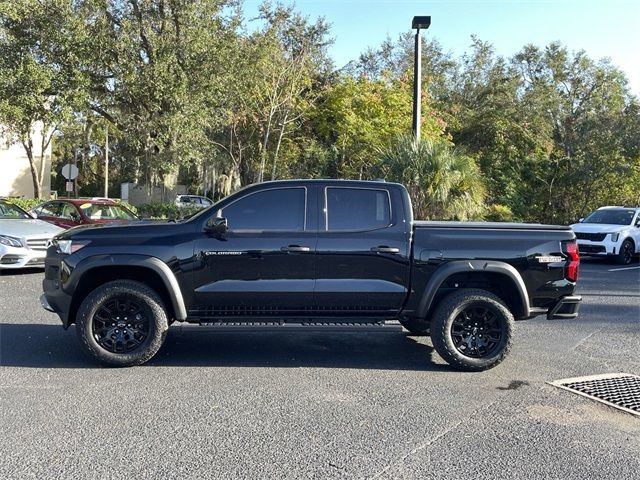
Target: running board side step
x,y
304,326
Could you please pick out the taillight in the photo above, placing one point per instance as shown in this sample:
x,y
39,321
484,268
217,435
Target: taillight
x,y
571,270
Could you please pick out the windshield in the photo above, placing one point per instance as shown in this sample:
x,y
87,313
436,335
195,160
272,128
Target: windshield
x,y
11,211
106,212
612,216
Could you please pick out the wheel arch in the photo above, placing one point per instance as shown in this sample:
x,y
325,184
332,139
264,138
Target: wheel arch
x,y
511,287
151,271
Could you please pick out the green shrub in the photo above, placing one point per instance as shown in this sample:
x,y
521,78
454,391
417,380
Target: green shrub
x,y
26,203
499,213
166,210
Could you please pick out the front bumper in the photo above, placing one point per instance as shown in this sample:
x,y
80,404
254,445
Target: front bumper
x,y
45,303
566,308
603,248
55,299
20,257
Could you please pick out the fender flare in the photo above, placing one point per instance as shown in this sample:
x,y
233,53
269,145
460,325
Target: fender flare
x,y
127,260
461,266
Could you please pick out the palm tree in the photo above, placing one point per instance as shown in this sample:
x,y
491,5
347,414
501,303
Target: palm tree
x,y
443,183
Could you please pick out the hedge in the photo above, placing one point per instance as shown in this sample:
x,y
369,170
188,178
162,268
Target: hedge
x,y
166,210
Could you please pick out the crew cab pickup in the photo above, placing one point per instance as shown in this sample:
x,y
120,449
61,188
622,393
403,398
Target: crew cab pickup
x,y
311,253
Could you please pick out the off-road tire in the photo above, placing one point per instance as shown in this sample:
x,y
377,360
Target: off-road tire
x,y
626,253
446,313
138,292
416,326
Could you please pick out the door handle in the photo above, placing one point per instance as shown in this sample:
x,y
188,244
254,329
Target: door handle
x,y
385,249
295,248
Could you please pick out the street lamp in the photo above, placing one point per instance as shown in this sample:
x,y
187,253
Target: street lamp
x,y
420,22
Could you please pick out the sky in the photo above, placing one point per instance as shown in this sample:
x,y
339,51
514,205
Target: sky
x,y
603,28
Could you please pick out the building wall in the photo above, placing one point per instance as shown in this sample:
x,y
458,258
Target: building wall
x,y
15,174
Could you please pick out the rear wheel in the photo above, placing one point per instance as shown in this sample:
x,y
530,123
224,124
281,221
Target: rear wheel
x,y
472,330
122,323
627,250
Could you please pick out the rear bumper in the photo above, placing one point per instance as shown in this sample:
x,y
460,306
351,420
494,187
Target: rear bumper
x,y
566,308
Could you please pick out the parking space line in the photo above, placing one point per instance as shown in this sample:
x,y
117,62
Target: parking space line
x,y
624,268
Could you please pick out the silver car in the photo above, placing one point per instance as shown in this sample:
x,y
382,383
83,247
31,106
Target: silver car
x,y
23,239
192,201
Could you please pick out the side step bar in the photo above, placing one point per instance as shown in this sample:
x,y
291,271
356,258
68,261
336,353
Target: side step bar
x,y
303,326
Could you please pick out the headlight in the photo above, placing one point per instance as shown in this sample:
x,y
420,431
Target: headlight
x,y
10,241
70,246
614,236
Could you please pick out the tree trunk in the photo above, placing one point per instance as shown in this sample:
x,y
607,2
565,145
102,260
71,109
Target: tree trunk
x,y
275,154
28,148
265,143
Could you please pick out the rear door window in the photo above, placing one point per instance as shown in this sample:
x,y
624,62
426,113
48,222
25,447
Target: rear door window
x,y
357,209
281,209
69,212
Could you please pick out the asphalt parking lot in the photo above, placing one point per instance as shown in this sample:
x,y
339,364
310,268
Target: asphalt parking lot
x,y
318,405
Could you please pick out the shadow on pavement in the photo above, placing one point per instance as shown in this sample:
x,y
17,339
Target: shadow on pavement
x,y
17,272
49,346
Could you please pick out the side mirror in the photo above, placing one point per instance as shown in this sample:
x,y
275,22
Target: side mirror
x,y
33,214
216,226
580,220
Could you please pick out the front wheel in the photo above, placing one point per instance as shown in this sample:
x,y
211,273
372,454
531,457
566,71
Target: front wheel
x,y
472,330
122,323
625,255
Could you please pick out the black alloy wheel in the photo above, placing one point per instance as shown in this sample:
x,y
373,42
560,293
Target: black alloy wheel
x,y
121,324
477,331
626,253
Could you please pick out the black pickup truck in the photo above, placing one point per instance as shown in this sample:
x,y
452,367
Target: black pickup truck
x,y
311,253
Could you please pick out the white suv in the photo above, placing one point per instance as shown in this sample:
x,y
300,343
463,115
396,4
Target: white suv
x,y
193,201
610,231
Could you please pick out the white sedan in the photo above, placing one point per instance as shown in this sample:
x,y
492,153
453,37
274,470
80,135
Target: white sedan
x,y
193,201
610,231
23,239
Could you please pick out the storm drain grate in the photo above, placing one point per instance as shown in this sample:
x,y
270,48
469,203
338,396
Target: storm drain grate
x,y
618,390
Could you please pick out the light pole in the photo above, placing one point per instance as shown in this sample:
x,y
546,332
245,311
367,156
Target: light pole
x,y
418,23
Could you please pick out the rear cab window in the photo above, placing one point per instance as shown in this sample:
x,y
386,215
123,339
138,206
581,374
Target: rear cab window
x,y
356,209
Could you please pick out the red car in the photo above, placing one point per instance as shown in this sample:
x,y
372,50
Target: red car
x,y
67,213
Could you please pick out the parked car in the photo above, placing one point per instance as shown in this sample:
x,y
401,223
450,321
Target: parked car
x,y
67,213
301,253
193,201
23,239
612,232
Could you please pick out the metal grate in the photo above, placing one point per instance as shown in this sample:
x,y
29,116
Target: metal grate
x,y
39,244
618,390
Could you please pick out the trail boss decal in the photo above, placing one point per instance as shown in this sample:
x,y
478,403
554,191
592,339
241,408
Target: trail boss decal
x,y
549,259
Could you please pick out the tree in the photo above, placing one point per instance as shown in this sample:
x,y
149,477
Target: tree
x,y
279,73
443,183
356,117
586,105
35,97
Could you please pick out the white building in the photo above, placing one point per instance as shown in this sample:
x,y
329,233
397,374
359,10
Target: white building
x,y
15,174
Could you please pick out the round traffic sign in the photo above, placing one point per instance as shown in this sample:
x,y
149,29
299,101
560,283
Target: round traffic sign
x,y
69,171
